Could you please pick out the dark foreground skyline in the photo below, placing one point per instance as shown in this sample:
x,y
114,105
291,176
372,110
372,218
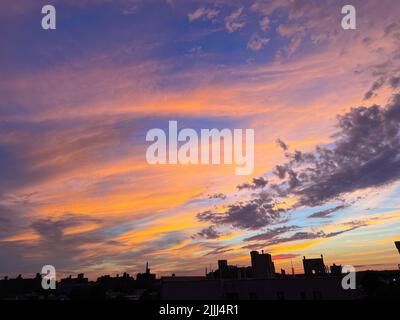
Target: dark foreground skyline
x,y
259,281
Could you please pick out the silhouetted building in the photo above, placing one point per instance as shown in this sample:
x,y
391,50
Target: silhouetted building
x,y
264,283
222,264
314,266
183,278
20,286
397,244
146,279
124,283
72,286
80,279
226,271
336,270
284,288
262,265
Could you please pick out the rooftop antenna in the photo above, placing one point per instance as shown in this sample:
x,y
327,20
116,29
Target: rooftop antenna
x,y
291,261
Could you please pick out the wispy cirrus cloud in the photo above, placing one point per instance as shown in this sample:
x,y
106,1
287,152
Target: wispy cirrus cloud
x,y
327,212
272,233
236,20
257,42
203,13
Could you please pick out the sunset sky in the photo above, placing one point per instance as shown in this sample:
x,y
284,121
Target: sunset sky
x,y
76,191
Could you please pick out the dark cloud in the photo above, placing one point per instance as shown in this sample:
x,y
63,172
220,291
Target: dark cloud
x,y
274,236
255,246
327,213
68,252
53,246
386,72
218,251
57,247
393,30
394,82
336,233
385,76
280,171
359,223
52,230
209,233
365,153
217,196
367,41
254,214
258,183
282,144
272,233
311,235
298,236
375,87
